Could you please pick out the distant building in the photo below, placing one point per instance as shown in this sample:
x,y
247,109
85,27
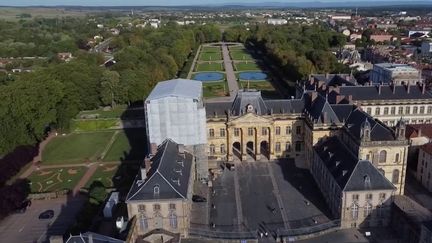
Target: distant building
x,y
277,21
161,194
381,37
415,32
424,166
397,74
426,48
340,17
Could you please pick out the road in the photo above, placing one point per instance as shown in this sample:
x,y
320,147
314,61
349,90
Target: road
x,y
229,70
27,228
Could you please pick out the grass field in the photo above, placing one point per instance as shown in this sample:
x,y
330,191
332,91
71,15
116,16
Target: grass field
x,y
210,66
76,147
89,125
50,180
130,144
210,56
210,49
261,85
215,89
104,174
11,13
246,66
241,55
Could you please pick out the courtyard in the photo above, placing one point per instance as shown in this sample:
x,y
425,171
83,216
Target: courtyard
x,y
265,196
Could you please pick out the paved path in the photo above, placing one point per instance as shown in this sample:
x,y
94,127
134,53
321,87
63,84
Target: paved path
x,y
238,199
277,195
194,62
83,181
108,146
38,157
230,75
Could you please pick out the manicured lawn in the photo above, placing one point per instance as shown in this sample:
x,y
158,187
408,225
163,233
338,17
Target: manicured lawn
x,y
50,180
261,85
246,66
210,56
241,55
117,112
76,147
91,125
215,89
130,144
209,66
210,49
104,174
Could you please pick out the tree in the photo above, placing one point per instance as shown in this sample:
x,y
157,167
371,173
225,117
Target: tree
x,y
110,85
97,193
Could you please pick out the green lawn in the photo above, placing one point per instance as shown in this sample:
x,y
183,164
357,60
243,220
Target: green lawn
x,y
130,144
215,89
210,56
209,66
76,147
246,66
117,112
91,125
210,49
261,85
105,174
50,180
241,55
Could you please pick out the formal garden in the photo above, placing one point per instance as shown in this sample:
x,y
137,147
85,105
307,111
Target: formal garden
x,y
55,179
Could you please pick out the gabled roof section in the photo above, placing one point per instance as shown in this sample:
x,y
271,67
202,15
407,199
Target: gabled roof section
x,y
170,171
365,177
322,112
379,132
385,92
177,88
248,97
217,109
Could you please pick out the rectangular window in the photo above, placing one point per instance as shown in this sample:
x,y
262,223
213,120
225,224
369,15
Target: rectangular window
x,y
141,207
415,110
386,110
288,130
393,110
407,110
298,146
429,109
172,206
264,131
250,131
369,111
298,130
236,132
211,132
369,196
288,147
222,132
355,197
222,148
382,196
156,207
422,109
277,130
278,147
377,111
400,112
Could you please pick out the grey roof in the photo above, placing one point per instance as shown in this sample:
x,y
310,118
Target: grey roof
x,y
400,92
337,158
347,170
322,112
366,176
335,79
96,238
254,98
169,170
177,88
379,131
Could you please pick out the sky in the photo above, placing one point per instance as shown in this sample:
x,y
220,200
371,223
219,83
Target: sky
x,y
143,2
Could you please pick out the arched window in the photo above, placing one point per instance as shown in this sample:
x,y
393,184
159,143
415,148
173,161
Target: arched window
x,y
156,189
367,209
395,176
212,149
354,211
173,220
382,156
143,222
222,148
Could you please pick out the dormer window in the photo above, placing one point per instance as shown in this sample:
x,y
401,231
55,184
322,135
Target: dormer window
x,y
249,108
156,190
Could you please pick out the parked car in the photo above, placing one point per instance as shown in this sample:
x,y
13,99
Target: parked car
x,y
197,198
48,214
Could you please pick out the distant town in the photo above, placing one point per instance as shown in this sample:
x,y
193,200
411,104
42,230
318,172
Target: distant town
x,y
232,123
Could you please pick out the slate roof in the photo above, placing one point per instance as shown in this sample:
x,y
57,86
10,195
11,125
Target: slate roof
x,y
372,92
261,107
169,170
177,88
97,238
347,170
379,132
335,79
322,112
366,176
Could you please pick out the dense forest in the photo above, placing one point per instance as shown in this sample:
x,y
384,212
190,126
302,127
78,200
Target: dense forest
x,y
298,50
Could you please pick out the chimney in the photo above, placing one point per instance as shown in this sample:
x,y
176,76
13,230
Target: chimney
x,y
181,149
143,173
90,238
408,88
314,95
324,117
339,98
423,88
379,89
147,163
394,89
419,132
327,75
153,148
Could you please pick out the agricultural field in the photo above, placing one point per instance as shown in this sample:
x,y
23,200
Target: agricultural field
x,y
215,89
130,144
56,179
209,66
246,66
76,148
